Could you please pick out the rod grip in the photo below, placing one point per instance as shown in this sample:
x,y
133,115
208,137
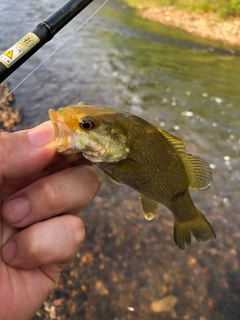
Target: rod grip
x,y
65,14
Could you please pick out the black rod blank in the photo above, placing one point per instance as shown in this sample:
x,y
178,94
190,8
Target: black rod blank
x,y
22,50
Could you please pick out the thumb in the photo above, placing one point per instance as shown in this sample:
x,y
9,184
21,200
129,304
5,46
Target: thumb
x,y
25,152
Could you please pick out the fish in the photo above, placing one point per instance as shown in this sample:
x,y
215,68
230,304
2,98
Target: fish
x,y
136,153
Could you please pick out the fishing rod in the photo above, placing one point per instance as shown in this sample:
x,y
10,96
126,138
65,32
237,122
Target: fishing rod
x,y
22,50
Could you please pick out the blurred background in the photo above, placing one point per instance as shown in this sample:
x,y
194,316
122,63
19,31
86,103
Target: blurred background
x,y
128,267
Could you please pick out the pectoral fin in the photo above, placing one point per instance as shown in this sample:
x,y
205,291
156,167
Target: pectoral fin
x,y
112,178
149,207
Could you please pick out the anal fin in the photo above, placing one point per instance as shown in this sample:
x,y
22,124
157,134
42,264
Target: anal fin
x,y
149,207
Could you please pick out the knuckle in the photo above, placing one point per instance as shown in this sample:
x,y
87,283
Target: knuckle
x,y
33,243
49,193
74,229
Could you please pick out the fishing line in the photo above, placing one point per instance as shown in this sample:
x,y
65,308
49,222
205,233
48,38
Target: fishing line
x,y
52,53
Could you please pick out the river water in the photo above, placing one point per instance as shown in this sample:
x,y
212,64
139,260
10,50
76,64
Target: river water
x,y
129,268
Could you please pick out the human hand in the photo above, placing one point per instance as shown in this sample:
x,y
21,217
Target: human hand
x,y
37,242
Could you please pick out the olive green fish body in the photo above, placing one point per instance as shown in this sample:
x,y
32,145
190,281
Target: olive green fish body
x,y
169,186
145,169
134,152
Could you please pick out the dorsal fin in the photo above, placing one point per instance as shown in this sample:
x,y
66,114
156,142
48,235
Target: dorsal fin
x,y
198,171
177,143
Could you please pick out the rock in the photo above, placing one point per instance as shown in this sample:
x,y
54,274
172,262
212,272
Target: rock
x,y
163,305
52,313
101,289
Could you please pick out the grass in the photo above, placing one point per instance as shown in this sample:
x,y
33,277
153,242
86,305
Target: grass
x,y
223,8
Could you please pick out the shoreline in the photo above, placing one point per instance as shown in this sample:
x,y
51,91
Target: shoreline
x,y
205,25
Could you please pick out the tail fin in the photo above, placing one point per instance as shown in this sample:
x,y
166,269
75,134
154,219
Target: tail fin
x,y
199,227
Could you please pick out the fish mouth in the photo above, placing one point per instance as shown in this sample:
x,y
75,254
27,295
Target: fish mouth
x,y
64,136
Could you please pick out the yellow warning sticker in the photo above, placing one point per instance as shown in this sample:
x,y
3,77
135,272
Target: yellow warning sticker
x,y
9,53
19,49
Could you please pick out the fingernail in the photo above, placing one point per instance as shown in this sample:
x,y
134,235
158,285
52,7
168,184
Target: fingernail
x,y
16,210
42,134
9,251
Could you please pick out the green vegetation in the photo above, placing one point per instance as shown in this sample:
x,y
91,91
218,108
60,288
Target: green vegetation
x,y
224,8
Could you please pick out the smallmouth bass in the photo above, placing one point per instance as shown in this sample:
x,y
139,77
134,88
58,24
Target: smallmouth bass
x,y
134,152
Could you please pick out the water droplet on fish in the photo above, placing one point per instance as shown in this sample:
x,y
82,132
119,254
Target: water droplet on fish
x,y
176,128
149,215
205,94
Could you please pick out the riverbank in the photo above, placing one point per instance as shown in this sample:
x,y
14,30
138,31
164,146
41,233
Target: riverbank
x,y
10,115
206,25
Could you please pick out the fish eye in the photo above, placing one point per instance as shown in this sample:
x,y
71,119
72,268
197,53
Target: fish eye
x,y
86,123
